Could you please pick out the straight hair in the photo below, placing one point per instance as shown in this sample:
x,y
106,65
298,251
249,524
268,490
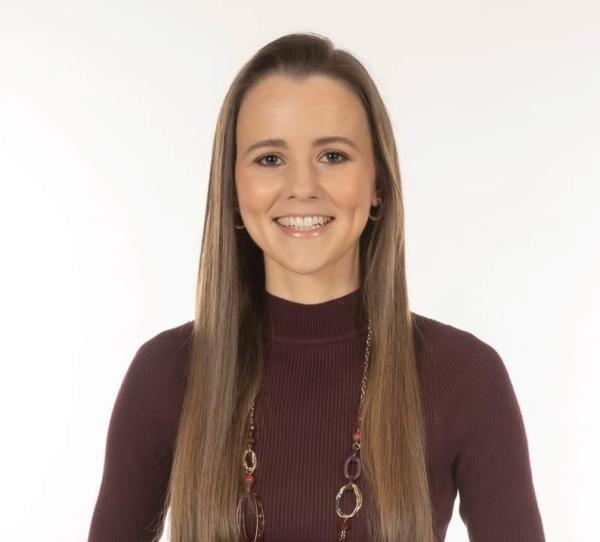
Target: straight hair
x,y
228,335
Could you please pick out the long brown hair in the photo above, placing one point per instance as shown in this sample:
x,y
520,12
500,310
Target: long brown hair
x,y
227,343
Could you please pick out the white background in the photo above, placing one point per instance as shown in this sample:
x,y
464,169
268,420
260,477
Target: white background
x,y
107,113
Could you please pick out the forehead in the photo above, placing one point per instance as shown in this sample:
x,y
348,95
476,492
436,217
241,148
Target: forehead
x,y
279,106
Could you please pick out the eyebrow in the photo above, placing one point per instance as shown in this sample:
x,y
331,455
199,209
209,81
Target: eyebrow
x,y
316,142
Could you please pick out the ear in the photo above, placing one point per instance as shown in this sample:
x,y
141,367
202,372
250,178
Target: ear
x,y
375,199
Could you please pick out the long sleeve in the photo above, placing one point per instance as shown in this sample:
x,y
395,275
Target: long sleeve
x,y
492,470
136,465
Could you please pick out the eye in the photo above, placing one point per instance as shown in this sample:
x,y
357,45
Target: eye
x,y
260,159
336,153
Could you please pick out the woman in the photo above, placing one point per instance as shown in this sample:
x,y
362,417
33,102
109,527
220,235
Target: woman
x,y
305,400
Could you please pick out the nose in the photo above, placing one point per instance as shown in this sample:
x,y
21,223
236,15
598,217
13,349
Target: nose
x,y
303,181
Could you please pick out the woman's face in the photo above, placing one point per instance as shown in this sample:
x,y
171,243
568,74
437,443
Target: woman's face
x,y
300,176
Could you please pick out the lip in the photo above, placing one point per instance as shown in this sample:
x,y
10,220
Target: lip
x,y
304,234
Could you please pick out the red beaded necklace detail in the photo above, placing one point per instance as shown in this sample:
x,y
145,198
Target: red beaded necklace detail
x,y
250,496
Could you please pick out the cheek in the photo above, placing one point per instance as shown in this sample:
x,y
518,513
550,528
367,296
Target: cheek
x,y
256,205
354,195
356,201
251,192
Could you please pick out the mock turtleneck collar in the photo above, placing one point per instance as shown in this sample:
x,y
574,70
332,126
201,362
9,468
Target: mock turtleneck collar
x,y
329,320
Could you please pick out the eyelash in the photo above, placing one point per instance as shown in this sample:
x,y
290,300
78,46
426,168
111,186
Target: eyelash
x,y
345,158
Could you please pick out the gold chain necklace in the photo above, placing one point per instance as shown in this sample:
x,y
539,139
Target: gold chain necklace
x,y
249,495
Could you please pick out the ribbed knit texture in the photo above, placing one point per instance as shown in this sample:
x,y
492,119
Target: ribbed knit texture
x,y
305,415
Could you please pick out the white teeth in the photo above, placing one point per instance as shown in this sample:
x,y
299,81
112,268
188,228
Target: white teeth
x,y
303,222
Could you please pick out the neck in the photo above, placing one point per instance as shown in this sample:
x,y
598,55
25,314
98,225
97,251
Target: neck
x,y
333,319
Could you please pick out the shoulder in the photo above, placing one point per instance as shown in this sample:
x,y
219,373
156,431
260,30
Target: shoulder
x,y
167,343
151,393
465,373
454,350
468,379
159,367
162,349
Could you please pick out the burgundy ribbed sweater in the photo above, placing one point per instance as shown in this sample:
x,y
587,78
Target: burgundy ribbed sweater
x,y
476,439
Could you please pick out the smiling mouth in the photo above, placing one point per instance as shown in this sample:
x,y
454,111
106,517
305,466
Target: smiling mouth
x,y
317,225
278,217
305,231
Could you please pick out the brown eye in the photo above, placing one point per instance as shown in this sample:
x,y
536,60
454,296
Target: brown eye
x,y
260,159
339,154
